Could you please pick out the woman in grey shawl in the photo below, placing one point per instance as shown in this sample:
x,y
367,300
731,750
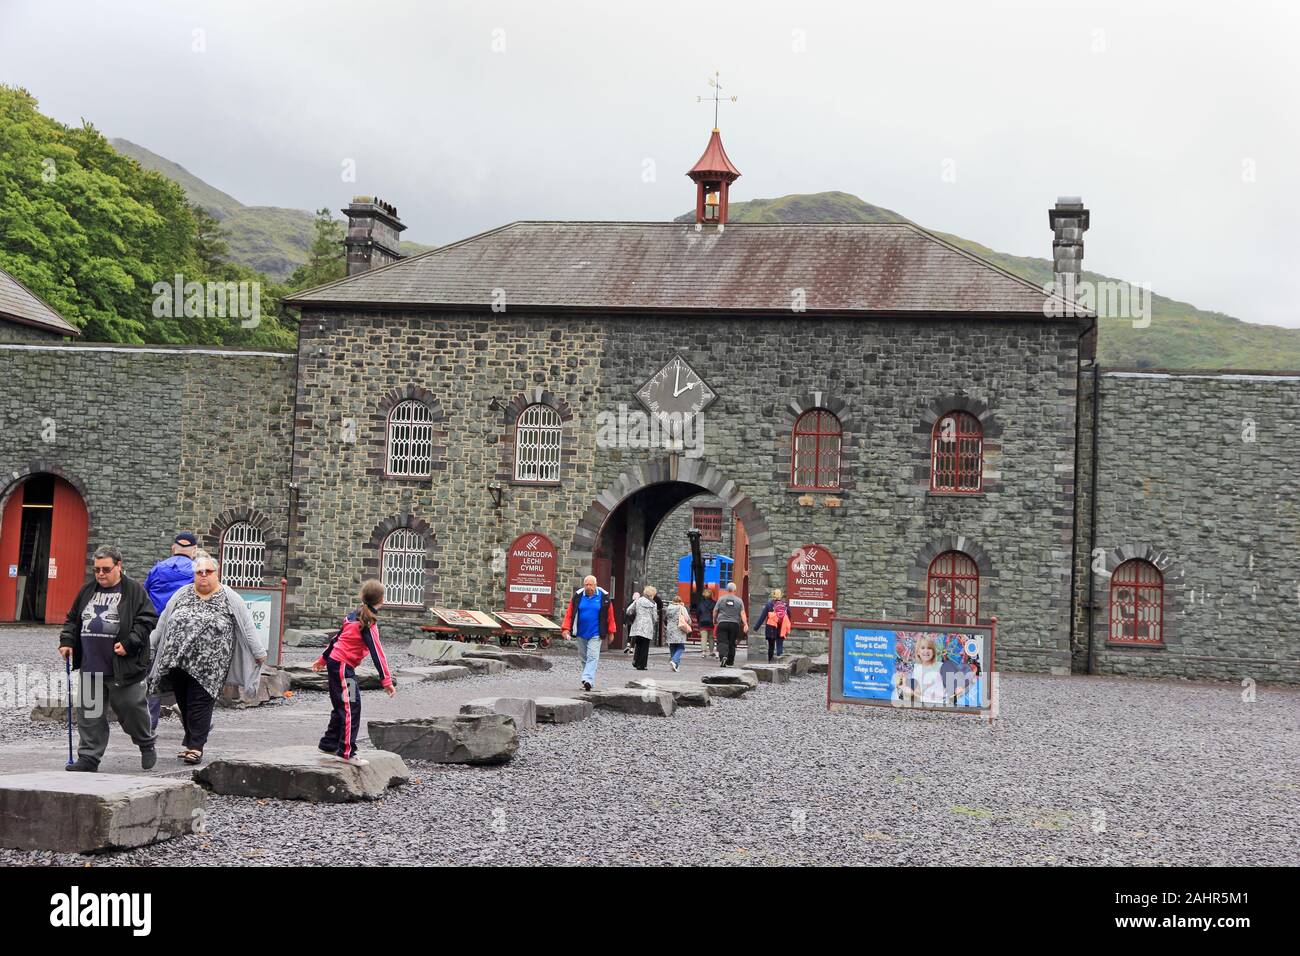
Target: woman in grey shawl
x,y
645,626
205,639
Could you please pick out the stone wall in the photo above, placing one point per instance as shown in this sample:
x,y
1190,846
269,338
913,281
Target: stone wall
x,y
883,527
155,438
18,332
1198,472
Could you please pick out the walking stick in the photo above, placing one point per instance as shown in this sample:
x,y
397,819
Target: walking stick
x,y
67,668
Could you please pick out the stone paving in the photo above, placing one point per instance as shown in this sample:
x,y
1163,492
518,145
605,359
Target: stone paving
x,y
1076,770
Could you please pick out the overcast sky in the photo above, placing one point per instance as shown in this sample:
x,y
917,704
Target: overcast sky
x,y
1178,123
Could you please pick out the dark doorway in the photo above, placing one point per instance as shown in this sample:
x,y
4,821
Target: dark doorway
x,y
43,534
34,547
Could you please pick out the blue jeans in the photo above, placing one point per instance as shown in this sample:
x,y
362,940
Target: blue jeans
x,y
677,651
589,650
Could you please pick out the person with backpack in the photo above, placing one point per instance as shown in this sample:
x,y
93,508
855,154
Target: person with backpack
x,y
775,621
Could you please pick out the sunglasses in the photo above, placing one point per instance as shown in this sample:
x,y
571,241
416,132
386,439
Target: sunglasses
x,y
204,573
107,570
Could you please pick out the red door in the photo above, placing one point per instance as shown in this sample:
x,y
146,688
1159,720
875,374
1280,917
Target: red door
x,y
68,531
11,525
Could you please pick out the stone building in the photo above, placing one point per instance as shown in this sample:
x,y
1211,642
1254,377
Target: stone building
x,y
933,422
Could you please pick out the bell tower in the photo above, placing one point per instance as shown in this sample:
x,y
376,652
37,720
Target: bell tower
x,y
713,176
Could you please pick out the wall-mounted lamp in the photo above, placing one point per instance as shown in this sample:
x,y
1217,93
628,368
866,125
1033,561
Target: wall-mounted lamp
x,y
495,404
496,491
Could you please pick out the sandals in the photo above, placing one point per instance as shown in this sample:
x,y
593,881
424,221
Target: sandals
x,y
192,756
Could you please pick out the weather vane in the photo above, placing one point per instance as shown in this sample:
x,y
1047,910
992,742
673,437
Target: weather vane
x,y
715,82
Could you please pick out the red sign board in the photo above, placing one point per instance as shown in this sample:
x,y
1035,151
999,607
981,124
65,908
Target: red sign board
x,y
811,577
530,574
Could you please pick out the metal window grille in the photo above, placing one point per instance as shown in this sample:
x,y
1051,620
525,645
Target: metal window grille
x,y
957,453
1137,604
403,568
537,444
243,553
410,440
815,463
953,590
709,521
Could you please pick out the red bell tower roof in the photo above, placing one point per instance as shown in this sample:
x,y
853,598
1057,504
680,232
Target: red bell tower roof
x,y
714,164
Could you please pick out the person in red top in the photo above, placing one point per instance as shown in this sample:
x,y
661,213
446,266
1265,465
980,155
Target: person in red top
x,y
358,635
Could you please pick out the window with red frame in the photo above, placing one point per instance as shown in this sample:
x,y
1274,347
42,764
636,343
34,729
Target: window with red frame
x,y
1137,604
709,521
953,590
957,453
815,463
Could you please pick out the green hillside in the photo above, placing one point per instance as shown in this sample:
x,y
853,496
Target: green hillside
x,y
1179,336
270,239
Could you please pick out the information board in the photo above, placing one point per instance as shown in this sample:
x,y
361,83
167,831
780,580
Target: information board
x,y
530,574
911,665
811,580
266,605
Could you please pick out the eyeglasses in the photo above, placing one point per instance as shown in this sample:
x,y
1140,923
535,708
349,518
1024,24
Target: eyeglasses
x,y
204,573
107,570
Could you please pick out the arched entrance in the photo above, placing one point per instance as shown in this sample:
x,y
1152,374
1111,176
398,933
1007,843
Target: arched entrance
x,y
614,535
43,534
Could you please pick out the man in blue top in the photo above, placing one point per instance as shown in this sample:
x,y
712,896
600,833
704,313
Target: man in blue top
x,y
165,579
590,619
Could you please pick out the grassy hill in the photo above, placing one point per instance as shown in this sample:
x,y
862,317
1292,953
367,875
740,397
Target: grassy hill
x,y
1180,335
270,239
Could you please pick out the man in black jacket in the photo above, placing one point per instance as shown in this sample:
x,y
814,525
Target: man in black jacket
x,y
106,636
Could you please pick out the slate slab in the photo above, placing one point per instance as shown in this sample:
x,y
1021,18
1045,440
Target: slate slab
x,y
479,739
307,637
435,672
685,693
561,710
730,675
821,664
770,673
799,664
482,665
520,660
625,700
522,709
87,812
303,773
302,677
435,649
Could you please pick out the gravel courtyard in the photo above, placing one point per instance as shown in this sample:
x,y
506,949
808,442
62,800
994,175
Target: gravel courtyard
x,y
1074,771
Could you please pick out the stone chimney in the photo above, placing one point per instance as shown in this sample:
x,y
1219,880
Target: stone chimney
x,y
1069,221
374,231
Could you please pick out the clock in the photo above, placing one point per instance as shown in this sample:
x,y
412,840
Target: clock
x,y
676,389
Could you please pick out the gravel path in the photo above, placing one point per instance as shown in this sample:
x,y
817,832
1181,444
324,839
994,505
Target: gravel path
x,y
1074,771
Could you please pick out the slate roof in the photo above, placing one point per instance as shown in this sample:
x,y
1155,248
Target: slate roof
x,y
19,304
668,266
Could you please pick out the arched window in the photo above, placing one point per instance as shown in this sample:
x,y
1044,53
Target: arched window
x,y
410,440
403,568
816,460
1137,604
243,552
537,444
953,590
957,453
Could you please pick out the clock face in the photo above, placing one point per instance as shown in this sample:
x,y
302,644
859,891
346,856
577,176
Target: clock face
x,y
676,389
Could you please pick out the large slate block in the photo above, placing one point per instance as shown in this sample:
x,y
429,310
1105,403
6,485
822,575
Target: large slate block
x,y
770,673
482,665
799,664
561,710
55,710
522,709
434,672
821,664
302,677
643,703
727,690
84,812
307,637
466,738
520,660
730,675
273,684
685,693
303,773
434,649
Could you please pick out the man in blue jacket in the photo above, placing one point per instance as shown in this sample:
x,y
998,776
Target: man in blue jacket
x,y
165,579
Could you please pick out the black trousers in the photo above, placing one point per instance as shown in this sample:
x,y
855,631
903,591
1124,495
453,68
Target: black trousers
x,y
641,658
345,718
728,638
195,705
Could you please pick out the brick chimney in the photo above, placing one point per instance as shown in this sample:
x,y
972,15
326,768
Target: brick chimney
x,y
1069,221
374,231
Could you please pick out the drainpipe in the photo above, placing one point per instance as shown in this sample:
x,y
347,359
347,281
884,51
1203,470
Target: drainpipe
x,y
1092,520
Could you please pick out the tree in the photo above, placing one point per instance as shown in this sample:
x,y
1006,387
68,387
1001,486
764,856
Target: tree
x,y
326,259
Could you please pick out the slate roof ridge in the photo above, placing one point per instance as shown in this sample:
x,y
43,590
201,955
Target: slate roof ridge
x,y
55,322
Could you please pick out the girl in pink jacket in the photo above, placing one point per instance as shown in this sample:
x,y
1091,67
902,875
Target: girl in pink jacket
x,y
358,635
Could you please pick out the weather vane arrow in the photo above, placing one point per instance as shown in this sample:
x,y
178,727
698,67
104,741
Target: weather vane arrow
x,y
715,81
